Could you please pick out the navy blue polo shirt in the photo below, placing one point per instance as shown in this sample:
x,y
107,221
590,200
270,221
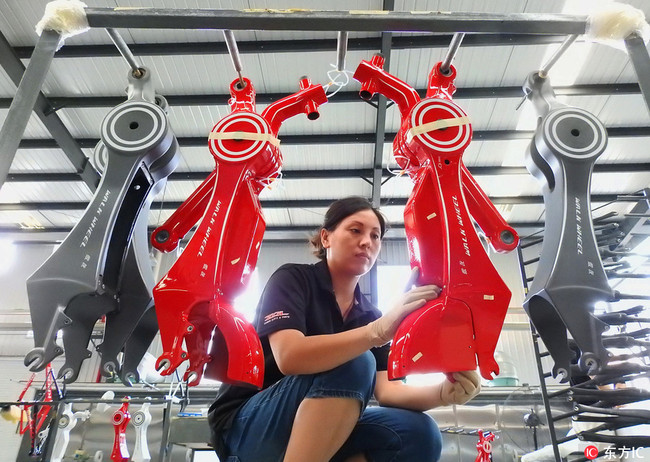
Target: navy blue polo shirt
x,y
299,297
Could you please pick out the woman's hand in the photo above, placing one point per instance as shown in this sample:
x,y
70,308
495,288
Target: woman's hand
x,y
466,386
381,331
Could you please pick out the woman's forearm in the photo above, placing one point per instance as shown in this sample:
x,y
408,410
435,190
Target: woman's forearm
x,y
298,354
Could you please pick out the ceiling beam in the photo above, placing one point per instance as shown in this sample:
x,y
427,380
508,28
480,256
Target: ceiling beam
x,y
60,102
295,46
298,203
368,21
367,138
33,177
60,134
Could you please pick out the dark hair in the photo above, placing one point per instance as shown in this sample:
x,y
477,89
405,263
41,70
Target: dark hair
x,y
337,212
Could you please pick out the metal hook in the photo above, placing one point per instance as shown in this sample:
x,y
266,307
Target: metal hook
x,y
231,44
445,65
126,53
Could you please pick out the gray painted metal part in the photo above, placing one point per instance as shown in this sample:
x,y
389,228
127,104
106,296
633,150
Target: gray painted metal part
x,y
91,274
570,277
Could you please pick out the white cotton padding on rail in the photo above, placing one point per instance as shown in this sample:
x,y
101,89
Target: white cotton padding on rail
x,y
67,17
612,22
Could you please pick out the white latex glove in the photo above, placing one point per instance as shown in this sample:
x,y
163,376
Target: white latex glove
x,y
466,386
381,330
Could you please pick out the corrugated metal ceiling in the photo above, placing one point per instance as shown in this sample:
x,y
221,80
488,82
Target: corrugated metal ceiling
x,y
487,67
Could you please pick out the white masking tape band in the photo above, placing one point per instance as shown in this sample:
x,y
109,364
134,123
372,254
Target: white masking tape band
x,y
244,136
437,125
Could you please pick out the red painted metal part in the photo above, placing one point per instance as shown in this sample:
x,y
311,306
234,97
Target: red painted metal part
x,y
34,423
120,419
484,446
194,300
463,324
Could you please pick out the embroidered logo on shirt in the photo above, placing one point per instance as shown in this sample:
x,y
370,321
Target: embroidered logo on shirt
x,y
275,316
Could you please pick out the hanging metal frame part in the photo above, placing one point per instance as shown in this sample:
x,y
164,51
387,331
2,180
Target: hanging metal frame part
x,y
465,321
195,299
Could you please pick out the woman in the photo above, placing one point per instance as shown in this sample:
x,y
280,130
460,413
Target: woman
x,y
326,354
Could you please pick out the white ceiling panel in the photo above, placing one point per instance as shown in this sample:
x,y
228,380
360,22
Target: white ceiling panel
x,y
23,219
45,191
626,149
522,213
175,191
41,160
326,156
625,111
62,218
315,189
308,216
34,129
7,87
611,183
509,185
195,158
276,217
506,153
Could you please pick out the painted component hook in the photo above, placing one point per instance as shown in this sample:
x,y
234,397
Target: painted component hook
x,y
141,420
194,300
484,446
121,419
66,422
463,324
570,278
97,270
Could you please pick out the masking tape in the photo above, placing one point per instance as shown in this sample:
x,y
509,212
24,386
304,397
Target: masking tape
x,y
244,136
437,125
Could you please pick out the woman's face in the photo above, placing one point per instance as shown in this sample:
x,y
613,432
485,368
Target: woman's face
x,y
353,246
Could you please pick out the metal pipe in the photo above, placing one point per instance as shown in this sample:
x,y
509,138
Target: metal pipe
x,y
341,50
231,43
456,40
125,51
543,72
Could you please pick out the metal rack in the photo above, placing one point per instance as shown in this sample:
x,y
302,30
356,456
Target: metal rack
x,y
588,402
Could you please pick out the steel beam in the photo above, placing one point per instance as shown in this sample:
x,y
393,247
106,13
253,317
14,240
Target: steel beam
x,y
29,97
368,21
346,138
38,177
59,102
29,85
641,61
306,203
296,46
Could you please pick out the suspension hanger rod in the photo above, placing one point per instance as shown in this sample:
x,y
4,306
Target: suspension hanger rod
x,y
456,40
341,50
125,51
231,43
543,72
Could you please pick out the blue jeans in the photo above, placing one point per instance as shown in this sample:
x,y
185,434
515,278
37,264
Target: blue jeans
x,y
261,429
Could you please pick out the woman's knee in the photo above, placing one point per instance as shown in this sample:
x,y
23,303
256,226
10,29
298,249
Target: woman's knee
x,y
355,378
423,433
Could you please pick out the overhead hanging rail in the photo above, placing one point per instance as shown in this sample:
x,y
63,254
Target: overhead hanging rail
x,y
354,20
